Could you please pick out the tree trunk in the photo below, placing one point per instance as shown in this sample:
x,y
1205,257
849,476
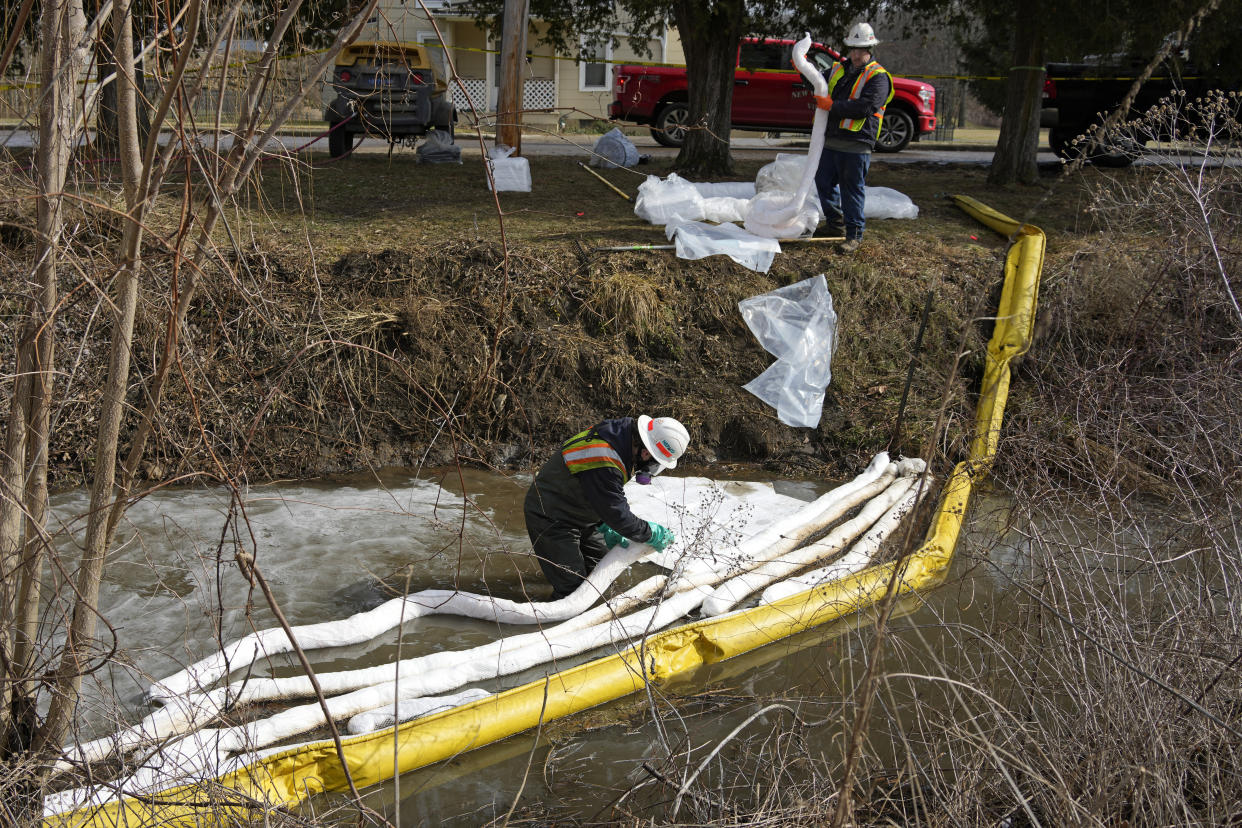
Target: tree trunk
x,y
709,33
75,659
60,30
1014,160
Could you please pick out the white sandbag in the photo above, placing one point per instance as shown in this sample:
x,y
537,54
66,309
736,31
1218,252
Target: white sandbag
x,y
696,240
614,149
725,189
508,174
725,209
668,200
771,216
885,203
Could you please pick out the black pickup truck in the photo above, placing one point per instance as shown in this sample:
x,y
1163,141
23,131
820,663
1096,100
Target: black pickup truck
x,y
1079,95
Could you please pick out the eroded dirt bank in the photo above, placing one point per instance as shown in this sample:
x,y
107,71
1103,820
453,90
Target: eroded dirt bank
x,y
454,351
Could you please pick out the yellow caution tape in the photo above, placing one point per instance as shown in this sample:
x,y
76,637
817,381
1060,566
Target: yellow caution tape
x,y
289,776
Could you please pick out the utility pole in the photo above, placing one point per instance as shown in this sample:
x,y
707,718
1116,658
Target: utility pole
x,y
512,64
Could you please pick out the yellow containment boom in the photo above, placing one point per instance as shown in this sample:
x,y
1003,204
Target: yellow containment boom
x,y
287,777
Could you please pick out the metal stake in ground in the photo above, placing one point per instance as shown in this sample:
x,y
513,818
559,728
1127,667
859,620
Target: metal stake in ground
x,y
905,392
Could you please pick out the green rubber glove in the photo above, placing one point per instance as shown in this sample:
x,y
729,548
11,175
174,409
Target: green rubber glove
x,y
612,537
661,536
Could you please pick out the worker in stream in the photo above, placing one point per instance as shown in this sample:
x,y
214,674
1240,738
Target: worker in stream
x,y
576,508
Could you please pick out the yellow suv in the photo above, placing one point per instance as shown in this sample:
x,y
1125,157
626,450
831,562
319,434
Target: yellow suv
x,y
387,90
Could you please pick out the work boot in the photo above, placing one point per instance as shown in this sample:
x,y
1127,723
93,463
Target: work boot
x,y
830,230
850,245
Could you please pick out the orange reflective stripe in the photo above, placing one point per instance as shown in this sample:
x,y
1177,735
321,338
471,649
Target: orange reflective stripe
x,y
581,454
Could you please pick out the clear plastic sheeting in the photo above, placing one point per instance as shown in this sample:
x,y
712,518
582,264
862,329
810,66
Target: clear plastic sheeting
x,y
887,203
670,200
695,240
614,149
783,175
438,148
508,173
725,209
726,189
781,215
798,326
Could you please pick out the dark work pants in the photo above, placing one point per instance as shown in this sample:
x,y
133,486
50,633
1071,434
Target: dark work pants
x,y
841,180
566,553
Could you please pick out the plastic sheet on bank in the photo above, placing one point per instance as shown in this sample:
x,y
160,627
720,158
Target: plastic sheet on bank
x,y
798,326
508,174
695,240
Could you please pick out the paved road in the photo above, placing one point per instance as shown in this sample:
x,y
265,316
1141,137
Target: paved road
x,y
976,150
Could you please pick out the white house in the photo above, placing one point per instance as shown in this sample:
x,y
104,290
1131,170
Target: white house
x,y
565,87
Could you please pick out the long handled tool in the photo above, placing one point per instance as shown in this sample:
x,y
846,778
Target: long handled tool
x,y
615,189
626,247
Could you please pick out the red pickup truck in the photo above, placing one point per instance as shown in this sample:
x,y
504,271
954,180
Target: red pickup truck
x,y
769,95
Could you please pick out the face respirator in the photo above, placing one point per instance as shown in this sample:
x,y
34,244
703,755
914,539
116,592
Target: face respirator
x,y
646,470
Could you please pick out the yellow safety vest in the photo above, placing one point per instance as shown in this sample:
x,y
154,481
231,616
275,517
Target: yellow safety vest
x,y
869,71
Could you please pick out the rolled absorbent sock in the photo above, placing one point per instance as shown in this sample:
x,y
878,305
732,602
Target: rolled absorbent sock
x,y
859,556
770,214
185,713
380,718
792,531
731,592
367,625
594,629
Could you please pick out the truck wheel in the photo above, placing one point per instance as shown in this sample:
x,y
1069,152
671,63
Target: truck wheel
x,y
341,142
1059,141
1119,153
896,131
670,125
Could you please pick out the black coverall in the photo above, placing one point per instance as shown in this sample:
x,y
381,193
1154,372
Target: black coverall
x,y
564,507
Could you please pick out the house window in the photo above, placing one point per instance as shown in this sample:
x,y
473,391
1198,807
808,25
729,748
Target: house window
x,y
593,67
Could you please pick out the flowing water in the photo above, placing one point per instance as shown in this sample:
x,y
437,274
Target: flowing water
x,y
329,549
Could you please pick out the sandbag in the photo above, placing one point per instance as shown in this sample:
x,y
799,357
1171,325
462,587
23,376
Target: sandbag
x,y
668,200
508,174
438,148
614,149
885,203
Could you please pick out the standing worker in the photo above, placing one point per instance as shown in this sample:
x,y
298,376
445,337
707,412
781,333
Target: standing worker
x,y
576,508
858,91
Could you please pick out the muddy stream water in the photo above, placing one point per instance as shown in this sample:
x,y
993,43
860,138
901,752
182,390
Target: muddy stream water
x,y
330,549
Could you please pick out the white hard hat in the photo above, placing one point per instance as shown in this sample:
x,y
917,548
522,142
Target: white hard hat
x,y
861,36
665,438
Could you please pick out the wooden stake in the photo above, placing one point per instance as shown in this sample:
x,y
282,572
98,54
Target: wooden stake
x,y
605,180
